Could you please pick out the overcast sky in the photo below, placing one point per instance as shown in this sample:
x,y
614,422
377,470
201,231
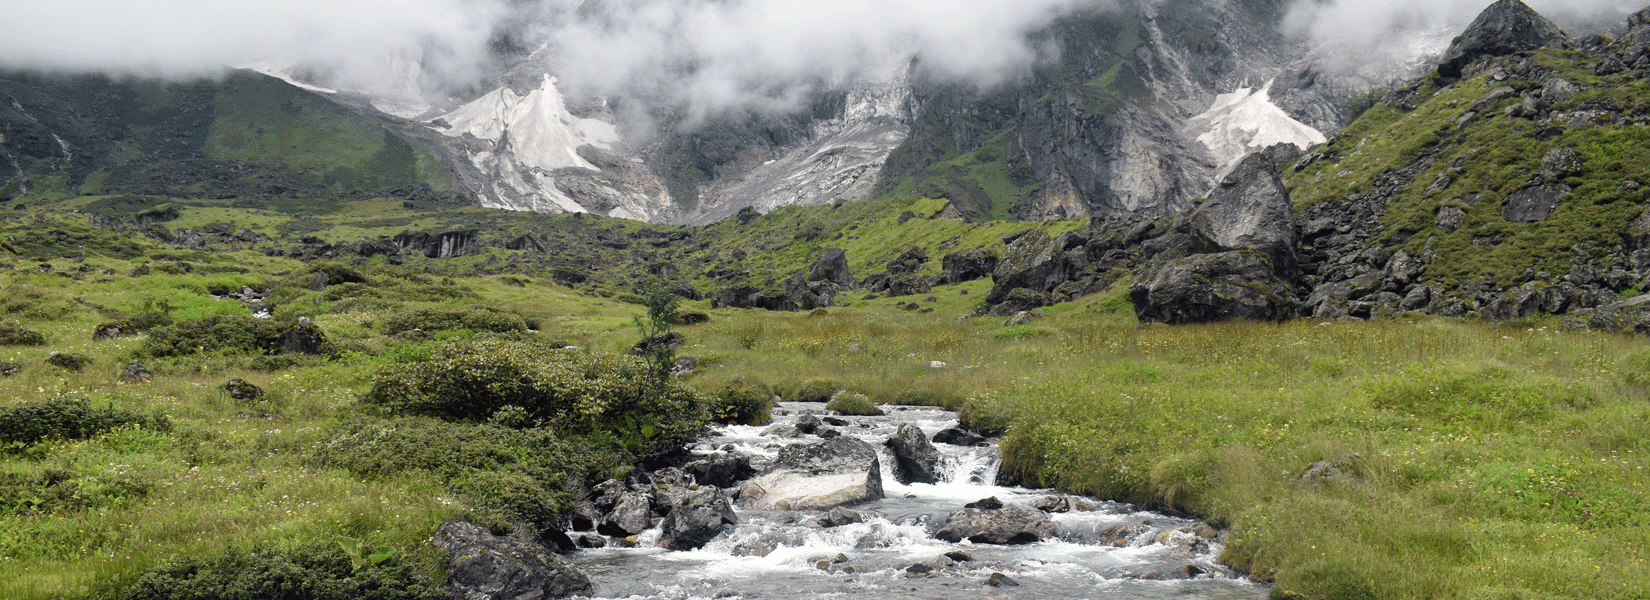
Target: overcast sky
x,y
734,42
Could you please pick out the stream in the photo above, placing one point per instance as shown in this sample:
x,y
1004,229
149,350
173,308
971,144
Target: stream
x,y
780,554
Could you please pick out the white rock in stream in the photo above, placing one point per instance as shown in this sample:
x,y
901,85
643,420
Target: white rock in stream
x,y
842,470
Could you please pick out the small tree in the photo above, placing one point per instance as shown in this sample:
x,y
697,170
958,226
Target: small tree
x,y
658,343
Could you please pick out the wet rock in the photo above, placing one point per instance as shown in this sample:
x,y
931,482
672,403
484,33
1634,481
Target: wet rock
x,y
808,424
959,556
697,518
721,470
1186,572
928,566
1506,27
668,487
840,516
1345,467
1183,543
588,540
632,515
837,421
135,373
756,547
958,437
1052,504
482,566
915,460
991,503
836,472
1009,525
1000,580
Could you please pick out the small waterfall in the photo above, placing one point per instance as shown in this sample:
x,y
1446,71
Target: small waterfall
x,y
1100,549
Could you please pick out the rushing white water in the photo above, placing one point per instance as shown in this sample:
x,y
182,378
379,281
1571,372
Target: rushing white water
x,y
873,556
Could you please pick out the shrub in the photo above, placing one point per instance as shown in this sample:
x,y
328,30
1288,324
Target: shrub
x,y
35,303
816,391
853,404
69,362
318,569
503,475
443,318
14,335
67,418
231,333
744,403
607,396
337,273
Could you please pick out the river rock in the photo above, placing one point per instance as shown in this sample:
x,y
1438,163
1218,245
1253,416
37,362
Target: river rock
x,y
840,516
632,515
991,503
669,487
721,470
958,437
135,373
1008,525
1119,536
483,566
915,460
1052,504
839,471
698,518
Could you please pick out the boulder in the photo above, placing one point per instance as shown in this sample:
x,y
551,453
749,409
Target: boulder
x,y
241,389
839,471
910,261
669,487
1534,204
135,373
1506,27
1032,262
915,460
483,566
632,514
1007,525
112,330
967,265
1560,163
696,519
737,296
1214,287
958,437
721,470
840,516
304,338
832,267
1250,209
1347,467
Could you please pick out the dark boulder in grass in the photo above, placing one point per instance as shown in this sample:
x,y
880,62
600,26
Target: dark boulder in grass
x,y
68,362
1506,27
481,565
1008,525
1033,262
915,460
832,267
967,265
697,517
1534,204
1250,209
1214,287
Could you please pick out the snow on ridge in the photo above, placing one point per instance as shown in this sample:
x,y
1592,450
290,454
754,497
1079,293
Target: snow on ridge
x,y
541,132
1246,121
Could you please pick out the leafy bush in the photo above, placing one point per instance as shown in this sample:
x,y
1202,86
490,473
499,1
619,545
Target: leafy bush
x,y
231,333
444,318
503,475
319,570
612,397
744,403
15,335
853,404
816,391
68,418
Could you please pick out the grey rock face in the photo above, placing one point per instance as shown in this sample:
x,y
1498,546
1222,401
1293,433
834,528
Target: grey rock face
x,y
840,471
1007,525
698,517
1250,209
1534,204
483,566
967,265
1506,27
832,267
633,514
721,470
1032,262
915,460
1214,287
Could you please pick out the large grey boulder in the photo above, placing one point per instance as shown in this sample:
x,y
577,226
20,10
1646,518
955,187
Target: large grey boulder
x,y
1506,27
483,566
1214,287
915,460
1008,525
633,514
698,517
832,267
1033,262
1534,204
967,265
840,471
1249,210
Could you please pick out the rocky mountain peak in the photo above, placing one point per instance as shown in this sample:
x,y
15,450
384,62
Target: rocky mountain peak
x,y
1506,27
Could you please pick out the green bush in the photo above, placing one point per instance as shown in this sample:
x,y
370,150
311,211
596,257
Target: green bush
x,y
336,273
853,404
15,335
744,403
318,570
68,418
502,475
444,318
228,333
816,391
607,396
35,303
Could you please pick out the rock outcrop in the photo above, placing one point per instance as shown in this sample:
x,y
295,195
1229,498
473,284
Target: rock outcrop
x,y
1214,287
1506,27
839,471
483,566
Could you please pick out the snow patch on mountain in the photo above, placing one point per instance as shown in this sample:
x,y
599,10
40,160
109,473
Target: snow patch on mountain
x,y
1246,121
